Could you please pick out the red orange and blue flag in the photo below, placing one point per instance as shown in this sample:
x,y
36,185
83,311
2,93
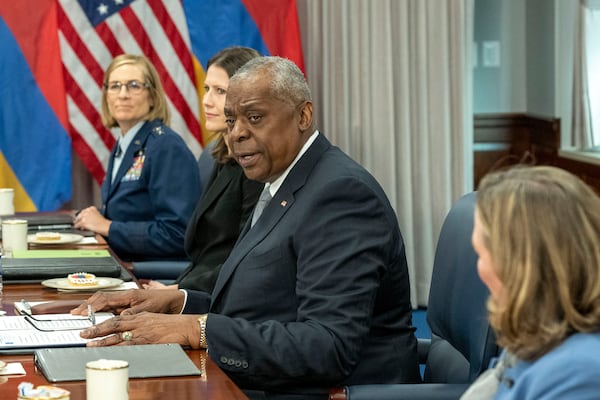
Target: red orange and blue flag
x,y
54,55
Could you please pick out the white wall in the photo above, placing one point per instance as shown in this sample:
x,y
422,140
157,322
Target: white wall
x,y
536,73
500,89
540,38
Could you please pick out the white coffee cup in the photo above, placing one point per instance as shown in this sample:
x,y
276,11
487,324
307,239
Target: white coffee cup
x,y
14,235
7,205
107,379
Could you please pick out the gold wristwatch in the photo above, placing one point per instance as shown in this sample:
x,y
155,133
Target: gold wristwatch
x,y
202,322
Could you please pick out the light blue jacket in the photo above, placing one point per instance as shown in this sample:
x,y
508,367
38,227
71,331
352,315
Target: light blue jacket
x,y
570,371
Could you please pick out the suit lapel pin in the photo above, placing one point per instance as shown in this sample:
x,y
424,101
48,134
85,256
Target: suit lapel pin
x,y
283,203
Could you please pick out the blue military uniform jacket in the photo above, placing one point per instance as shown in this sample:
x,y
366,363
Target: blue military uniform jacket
x,y
153,195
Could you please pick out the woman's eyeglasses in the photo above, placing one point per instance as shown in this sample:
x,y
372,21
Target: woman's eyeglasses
x,y
132,87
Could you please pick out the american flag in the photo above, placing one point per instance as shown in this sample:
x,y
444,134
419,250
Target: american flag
x,y
91,34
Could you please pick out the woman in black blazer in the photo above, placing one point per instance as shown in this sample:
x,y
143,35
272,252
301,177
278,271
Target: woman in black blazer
x,y
229,198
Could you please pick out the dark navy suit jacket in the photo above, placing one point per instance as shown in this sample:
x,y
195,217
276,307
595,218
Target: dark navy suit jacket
x,y
316,294
153,195
216,224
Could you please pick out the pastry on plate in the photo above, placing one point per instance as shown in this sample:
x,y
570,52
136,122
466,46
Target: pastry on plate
x,y
47,236
82,279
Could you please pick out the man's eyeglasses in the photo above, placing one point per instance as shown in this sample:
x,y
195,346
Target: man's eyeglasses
x,y
133,87
58,324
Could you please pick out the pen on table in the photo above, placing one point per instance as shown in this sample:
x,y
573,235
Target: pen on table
x,y
59,226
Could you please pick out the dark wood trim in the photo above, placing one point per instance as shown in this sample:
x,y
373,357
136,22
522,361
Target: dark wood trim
x,y
506,139
588,172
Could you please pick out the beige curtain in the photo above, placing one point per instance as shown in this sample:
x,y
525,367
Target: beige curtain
x,y
392,82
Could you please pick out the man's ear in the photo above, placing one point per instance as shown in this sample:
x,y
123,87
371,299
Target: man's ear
x,y
306,116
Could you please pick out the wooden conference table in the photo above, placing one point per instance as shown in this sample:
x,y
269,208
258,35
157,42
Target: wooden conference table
x,y
212,384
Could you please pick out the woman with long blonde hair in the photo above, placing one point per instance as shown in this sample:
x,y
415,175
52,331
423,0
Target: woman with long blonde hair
x,y
537,234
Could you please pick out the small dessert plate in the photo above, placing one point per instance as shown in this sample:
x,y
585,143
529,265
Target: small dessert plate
x,y
64,238
63,284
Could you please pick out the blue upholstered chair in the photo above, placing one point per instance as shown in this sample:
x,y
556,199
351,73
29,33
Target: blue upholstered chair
x,y
462,342
162,271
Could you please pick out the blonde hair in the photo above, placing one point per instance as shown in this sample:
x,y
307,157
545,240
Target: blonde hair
x,y
159,110
541,226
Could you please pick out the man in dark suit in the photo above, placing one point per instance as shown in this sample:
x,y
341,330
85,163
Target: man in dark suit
x,y
315,294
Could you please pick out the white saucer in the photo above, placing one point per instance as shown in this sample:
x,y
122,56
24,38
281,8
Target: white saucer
x,y
64,238
63,284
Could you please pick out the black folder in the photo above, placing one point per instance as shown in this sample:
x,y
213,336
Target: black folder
x,y
17,270
145,361
55,221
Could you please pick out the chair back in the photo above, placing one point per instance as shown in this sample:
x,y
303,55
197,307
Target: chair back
x,y
462,342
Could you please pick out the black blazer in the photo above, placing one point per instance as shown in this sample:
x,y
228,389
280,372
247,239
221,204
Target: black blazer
x,y
316,294
216,224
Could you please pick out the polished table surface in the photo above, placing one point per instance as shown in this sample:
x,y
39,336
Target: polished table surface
x,y
212,384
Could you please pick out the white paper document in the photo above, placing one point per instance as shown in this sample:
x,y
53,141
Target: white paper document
x,y
15,368
50,330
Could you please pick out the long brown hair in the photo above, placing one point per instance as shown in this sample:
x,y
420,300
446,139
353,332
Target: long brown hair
x,y
230,59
